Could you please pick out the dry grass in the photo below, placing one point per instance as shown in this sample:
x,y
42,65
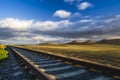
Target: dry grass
x,y
106,54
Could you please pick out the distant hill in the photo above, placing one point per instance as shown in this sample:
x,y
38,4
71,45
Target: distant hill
x,y
51,43
82,43
112,41
74,42
89,42
47,43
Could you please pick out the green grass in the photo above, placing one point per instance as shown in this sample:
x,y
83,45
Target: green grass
x,y
3,53
105,54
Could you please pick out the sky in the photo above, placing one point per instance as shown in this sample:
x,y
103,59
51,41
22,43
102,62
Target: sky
x,y
37,21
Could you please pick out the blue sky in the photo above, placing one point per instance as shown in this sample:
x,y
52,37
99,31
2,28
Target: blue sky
x,y
44,9
58,20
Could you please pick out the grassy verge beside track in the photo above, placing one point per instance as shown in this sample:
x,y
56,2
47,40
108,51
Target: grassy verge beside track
x,y
3,53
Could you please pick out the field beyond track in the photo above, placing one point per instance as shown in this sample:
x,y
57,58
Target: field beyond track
x,y
105,54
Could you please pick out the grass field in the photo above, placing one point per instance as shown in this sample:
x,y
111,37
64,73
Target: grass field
x,y
105,54
3,53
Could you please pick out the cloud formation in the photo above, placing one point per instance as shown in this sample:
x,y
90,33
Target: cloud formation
x,y
15,24
30,31
49,25
62,14
84,5
69,1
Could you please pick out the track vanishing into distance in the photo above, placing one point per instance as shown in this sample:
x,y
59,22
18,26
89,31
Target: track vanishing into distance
x,y
51,67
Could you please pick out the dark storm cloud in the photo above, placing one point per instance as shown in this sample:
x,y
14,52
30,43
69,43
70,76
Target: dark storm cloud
x,y
6,33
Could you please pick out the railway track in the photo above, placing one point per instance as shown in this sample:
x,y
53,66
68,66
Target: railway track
x,y
51,67
12,69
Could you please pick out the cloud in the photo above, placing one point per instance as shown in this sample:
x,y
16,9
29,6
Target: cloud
x,y
72,1
86,29
86,20
84,5
69,1
62,14
25,31
29,25
59,31
16,24
111,19
49,25
76,14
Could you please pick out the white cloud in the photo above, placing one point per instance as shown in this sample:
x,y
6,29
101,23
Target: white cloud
x,y
69,1
45,26
49,25
109,20
29,25
86,20
62,14
16,24
33,39
72,1
41,38
84,5
76,14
